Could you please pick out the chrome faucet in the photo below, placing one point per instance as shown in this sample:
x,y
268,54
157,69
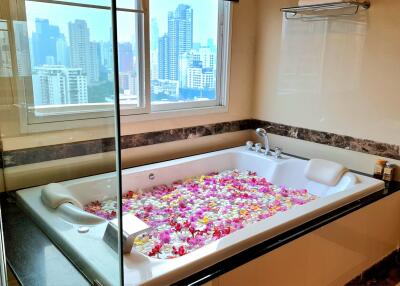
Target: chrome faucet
x,y
262,133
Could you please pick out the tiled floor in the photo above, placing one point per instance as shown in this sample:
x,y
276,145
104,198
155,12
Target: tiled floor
x,y
384,273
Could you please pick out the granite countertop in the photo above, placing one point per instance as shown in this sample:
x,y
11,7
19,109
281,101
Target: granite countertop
x,y
31,256
35,260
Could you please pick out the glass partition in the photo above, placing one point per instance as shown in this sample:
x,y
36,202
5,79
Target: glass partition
x,y
58,134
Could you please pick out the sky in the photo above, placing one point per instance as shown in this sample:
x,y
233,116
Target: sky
x,y
205,20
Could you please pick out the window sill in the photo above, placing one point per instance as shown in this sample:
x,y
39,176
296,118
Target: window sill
x,y
169,114
107,122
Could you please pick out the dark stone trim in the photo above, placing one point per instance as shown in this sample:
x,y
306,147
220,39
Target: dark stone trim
x,y
15,158
331,139
56,152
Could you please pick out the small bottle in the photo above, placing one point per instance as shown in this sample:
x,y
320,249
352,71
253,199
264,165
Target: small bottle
x,y
388,172
379,167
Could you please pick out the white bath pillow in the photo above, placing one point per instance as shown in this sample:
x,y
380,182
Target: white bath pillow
x,y
324,172
54,195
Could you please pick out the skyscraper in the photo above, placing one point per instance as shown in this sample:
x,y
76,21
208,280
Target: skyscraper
x,y
62,52
154,35
106,55
22,48
5,53
79,40
84,54
163,63
180,37
44,42
93,63
125,57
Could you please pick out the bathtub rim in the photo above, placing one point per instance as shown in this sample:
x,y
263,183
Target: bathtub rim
x,y
254,240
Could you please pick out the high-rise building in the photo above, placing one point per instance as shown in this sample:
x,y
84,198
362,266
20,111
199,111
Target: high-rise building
x,y
155,34
54,85
22,48
195,77
154,65
93,63
79,40
185,70
208,78
44,42
207,58
84,54
163,62
106,55
180,37
128,83
187,60
125,57
5,53
62,52
197,69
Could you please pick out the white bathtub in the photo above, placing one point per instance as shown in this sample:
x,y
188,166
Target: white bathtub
x,y
99,261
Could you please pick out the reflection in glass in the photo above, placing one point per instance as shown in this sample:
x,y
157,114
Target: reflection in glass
x,y
5,55
64,54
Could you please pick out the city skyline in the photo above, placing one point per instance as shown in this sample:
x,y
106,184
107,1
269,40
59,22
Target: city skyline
x,y
203,30
61,58
182,69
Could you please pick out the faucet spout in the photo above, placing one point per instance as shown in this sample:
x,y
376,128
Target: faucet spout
x,y
263,133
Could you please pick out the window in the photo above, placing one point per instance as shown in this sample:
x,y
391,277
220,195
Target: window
x,y
67,53
184,46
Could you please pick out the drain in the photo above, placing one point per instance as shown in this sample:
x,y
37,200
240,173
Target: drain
x,y
152,177
83,229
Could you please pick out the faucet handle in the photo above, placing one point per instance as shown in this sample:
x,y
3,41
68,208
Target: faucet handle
x,y
249,145
278,152
258,147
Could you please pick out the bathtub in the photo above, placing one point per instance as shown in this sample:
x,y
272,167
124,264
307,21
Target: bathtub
x,y
99,262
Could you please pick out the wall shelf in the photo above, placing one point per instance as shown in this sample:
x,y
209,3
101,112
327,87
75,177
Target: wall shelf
x,y
325,10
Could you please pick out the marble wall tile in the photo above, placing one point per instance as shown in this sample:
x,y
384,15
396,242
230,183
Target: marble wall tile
x,y
14,158
331,139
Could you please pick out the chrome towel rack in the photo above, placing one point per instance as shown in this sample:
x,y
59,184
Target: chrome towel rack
x,y
325,10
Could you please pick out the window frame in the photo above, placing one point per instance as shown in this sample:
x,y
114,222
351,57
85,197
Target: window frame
x,y
53,115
